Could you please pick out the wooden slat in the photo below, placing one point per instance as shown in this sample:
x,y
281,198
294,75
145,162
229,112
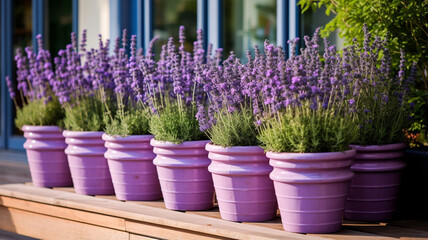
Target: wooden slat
x,y
273,224
165,232
346,234
46,227
393,231
146,214
66,213
156,204
139,237
65,189
213,213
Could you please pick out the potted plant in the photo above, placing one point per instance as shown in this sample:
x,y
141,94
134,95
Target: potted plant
x,y
181,161
239,167
82,88
382,112
39,116
127,138
307,124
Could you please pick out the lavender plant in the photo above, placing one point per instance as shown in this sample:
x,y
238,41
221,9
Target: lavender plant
x,y
171,91
381,95
35,78
304,104
228,120
84,84
132,115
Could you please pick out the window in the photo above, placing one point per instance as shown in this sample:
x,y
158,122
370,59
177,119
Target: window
x,y
246,23
169,15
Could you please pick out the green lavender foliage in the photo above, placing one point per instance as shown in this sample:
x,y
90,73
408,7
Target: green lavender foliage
x,y
234,129
126,123
304,130
383,121
85,115
37,113
176,124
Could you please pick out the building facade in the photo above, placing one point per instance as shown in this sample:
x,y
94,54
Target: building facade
x,y
229,24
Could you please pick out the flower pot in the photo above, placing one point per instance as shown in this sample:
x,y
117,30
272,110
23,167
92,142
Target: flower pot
x,y
311,189
374,190
183,174
245,193
88,166
45,153
130,160
414,190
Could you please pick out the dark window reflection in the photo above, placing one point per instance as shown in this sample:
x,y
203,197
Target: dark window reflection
x,y
22,35
59,20
311,20
246,23
169,15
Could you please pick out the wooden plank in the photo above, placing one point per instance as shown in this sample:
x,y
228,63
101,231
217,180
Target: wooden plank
x,y
13,236
139,237
346,234
66,213
165,232
273,224
213,213
146,214
110,197
65,189
156,204
393,231
47,227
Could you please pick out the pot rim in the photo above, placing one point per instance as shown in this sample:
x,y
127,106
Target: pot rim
x,y
130,138
234,149
321,156
87,134
34,128
376,148
185,144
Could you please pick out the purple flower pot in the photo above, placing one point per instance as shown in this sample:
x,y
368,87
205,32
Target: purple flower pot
x,y
311,189
130,160
245,193
45,153
374,189
88,166
183,174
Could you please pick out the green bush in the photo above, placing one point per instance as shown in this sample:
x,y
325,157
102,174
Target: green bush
x,y
176,124
38,113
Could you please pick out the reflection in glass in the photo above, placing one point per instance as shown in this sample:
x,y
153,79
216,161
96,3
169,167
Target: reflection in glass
x,y
169,15
311,20
246,23
22,37
57,34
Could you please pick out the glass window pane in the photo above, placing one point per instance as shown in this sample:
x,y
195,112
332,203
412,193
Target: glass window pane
x,y
22,37
247,23
94,16
57,34
169,15
311,20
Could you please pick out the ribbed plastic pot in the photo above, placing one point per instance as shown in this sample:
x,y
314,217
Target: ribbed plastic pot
x,y
311,189
88,166
183,174
245,193
130,160
374,190
45,153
